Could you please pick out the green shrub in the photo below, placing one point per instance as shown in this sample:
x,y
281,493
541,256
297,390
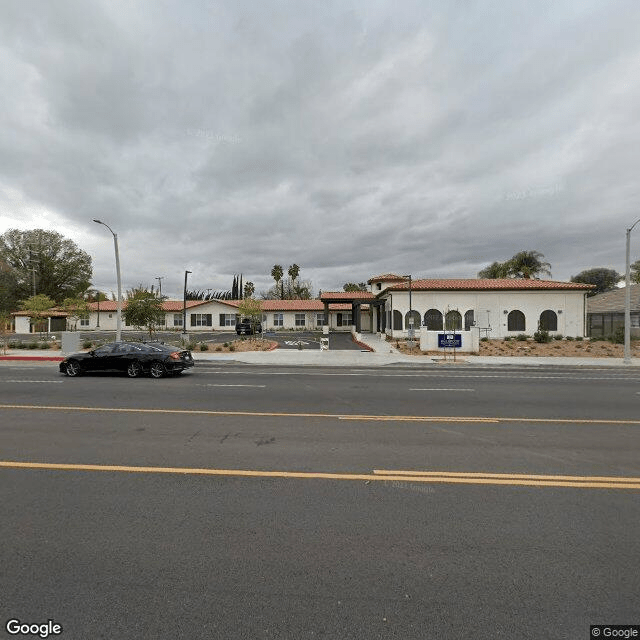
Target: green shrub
x,y
44,345
570,338
87,344
22,345
484,339
232,347
218,348
203,346
226,344
579,338
32,345
541,336
558,336
618,336
13,344
507,338
522,337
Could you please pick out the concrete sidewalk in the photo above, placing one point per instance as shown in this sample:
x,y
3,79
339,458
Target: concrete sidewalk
x,y
352,358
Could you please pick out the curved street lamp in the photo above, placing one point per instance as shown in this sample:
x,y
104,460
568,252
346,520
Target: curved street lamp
x,y
627,299
119,303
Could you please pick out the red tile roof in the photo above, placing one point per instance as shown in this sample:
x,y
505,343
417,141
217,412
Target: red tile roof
x,y
386,277
346,295
167,305
498,284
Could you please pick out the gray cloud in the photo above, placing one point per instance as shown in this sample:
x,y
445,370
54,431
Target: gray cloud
x,y
425,138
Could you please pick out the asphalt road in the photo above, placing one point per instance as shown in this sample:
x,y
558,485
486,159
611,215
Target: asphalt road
x,y
254,502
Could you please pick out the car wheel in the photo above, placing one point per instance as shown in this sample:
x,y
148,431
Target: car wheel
x,y
134,369
73,369
157,369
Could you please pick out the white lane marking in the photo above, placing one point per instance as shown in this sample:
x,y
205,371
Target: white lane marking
x,y
232,385
37,381
423,375
441,389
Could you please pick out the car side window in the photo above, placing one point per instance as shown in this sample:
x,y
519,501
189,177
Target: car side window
x,y
104,350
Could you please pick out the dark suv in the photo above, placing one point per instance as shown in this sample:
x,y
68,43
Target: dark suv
x,y
248,326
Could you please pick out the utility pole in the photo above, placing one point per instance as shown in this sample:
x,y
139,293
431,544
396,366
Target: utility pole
x,y
184,305
160,279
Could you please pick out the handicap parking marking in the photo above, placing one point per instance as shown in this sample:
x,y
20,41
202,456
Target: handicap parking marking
x,y
295,343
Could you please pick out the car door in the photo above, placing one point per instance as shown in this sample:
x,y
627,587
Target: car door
x,y
99,358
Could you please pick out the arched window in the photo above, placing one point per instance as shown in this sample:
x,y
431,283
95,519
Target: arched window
x,y
416,319
433,320
397,320
453,320
549,320
515,321
468,320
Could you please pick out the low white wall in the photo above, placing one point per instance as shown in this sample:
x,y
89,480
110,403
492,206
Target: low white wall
x,y
23,324
470,341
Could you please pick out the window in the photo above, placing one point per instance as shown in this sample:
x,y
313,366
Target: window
x,y
379,286
397,320
201,320
416,319
344,319
278,320
319,319
453,320
468,320
515,321
177,319
84,322
549,320
433,320
228,319
300,319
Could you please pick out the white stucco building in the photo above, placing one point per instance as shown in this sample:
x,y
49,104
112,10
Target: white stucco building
x,y
495,308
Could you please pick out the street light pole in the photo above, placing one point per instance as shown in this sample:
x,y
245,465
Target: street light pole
x,y
119,303
627,298
184,305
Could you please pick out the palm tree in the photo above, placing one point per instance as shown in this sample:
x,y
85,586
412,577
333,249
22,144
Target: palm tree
x,y
294,272
528,264
495,270
276,273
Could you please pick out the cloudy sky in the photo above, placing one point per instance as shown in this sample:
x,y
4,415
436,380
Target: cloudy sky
x,y
352,138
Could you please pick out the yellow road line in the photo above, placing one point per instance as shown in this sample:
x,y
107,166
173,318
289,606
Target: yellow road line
x,y
338,416
442,478
507,476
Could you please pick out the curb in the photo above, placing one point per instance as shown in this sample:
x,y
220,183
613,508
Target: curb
x,y
34,358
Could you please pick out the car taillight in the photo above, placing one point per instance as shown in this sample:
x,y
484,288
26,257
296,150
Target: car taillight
x,y
175,355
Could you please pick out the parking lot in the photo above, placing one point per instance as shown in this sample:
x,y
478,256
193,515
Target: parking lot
x,y
340,341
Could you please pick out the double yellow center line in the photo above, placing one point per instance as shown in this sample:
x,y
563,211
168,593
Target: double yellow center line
x,y
433,477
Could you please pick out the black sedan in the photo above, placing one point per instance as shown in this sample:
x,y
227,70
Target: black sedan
x,y
134,358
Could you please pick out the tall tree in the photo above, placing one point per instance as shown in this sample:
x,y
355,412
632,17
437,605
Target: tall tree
x,y
604,279
240,288
352,286
528,264
249,289
635,272
8,288
276,273
251,309
60,269
294,272
495,270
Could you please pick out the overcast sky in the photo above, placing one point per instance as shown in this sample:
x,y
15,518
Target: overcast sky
x,y
352,138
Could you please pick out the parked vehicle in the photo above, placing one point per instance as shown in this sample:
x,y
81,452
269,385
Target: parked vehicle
x,y
248,326
132,358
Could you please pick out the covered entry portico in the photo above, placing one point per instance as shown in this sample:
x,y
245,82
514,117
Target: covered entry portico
x,y
355,298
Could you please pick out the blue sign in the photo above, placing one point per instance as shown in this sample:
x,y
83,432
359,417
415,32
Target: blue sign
x,y
450,340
